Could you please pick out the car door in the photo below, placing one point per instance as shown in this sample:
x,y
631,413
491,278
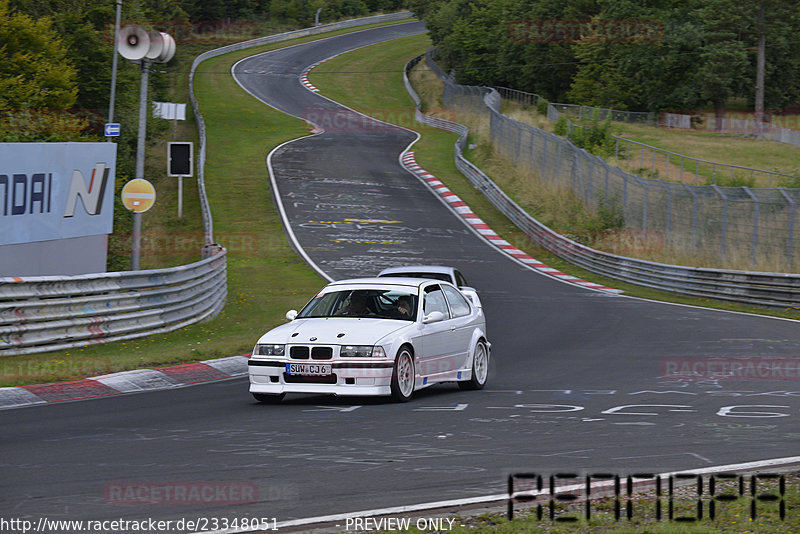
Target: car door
x,y
436,356
461,325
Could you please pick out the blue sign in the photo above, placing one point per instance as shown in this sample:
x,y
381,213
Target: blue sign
x,y
112,129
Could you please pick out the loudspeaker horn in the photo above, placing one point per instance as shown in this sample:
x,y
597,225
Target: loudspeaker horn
x,y
168,50
156,44
133,42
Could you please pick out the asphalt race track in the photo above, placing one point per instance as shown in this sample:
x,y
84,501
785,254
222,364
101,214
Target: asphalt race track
x,y
576,381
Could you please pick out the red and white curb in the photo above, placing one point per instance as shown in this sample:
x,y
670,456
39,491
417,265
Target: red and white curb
x,y
304,75
462,209
124,382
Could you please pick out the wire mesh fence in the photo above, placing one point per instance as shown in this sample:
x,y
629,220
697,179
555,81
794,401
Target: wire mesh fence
x,y
658,162
731,225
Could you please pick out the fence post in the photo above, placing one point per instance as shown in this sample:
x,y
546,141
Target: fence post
x,y
558,159
755,223
544,156
644,203
694,214
669,207
790,237
654,161
667,165
724,230
696,172
574,171
624,191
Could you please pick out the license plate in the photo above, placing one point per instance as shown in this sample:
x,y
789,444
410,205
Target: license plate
x,y
307,369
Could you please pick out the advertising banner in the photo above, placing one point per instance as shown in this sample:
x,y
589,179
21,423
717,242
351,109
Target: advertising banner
x,y
51,191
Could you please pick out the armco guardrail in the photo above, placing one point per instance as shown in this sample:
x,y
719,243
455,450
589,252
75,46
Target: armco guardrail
x,y
766,289
201,127
47,313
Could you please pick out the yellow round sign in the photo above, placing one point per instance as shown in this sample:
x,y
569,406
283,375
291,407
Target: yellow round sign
x,y
138,195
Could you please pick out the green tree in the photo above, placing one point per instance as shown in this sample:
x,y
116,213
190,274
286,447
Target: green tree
x,y
35,71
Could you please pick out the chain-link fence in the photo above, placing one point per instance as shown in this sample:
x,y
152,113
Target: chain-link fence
x,y
736,225
657,162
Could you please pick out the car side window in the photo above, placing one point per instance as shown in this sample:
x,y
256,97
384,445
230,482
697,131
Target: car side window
x,y
460,280
458,304
435,301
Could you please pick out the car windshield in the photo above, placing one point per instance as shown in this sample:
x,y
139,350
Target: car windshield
x,y
372,303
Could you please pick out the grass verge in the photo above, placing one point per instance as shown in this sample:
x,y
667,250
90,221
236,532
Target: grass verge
x,y
370,80
265,276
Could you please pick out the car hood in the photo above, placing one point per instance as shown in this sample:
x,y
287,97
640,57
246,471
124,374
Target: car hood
x,y
328,331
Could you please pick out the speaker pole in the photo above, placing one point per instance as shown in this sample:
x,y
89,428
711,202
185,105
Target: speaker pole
x,y
140,148
114,65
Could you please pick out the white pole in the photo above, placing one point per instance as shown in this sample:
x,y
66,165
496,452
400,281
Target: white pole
x,y
180,197
114,65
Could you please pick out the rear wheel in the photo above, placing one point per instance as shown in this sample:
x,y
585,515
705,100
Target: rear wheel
x,y
269,398
403,376
480,368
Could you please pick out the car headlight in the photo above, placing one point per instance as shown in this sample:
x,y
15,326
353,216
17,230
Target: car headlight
x,y
270,350
362,351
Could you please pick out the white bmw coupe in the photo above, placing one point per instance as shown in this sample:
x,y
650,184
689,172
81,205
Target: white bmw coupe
x,y
374,336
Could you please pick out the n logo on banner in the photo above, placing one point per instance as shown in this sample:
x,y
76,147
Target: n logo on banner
x,y
92,197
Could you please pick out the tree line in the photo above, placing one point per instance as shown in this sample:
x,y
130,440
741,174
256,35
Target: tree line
x,y
638,55
55,55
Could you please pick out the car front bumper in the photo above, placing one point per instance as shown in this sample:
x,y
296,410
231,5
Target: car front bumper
x,y
349,377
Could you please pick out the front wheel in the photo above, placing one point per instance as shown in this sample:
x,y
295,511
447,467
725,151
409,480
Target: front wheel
x,y
480,368
403,376
269,398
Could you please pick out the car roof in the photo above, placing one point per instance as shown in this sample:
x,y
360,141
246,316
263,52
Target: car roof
x,y
382,282
417,268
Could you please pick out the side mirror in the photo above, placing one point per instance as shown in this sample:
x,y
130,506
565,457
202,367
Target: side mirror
x,y
291,314
433,317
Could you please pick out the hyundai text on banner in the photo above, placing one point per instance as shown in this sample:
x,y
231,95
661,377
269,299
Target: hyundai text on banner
x,y
51,191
